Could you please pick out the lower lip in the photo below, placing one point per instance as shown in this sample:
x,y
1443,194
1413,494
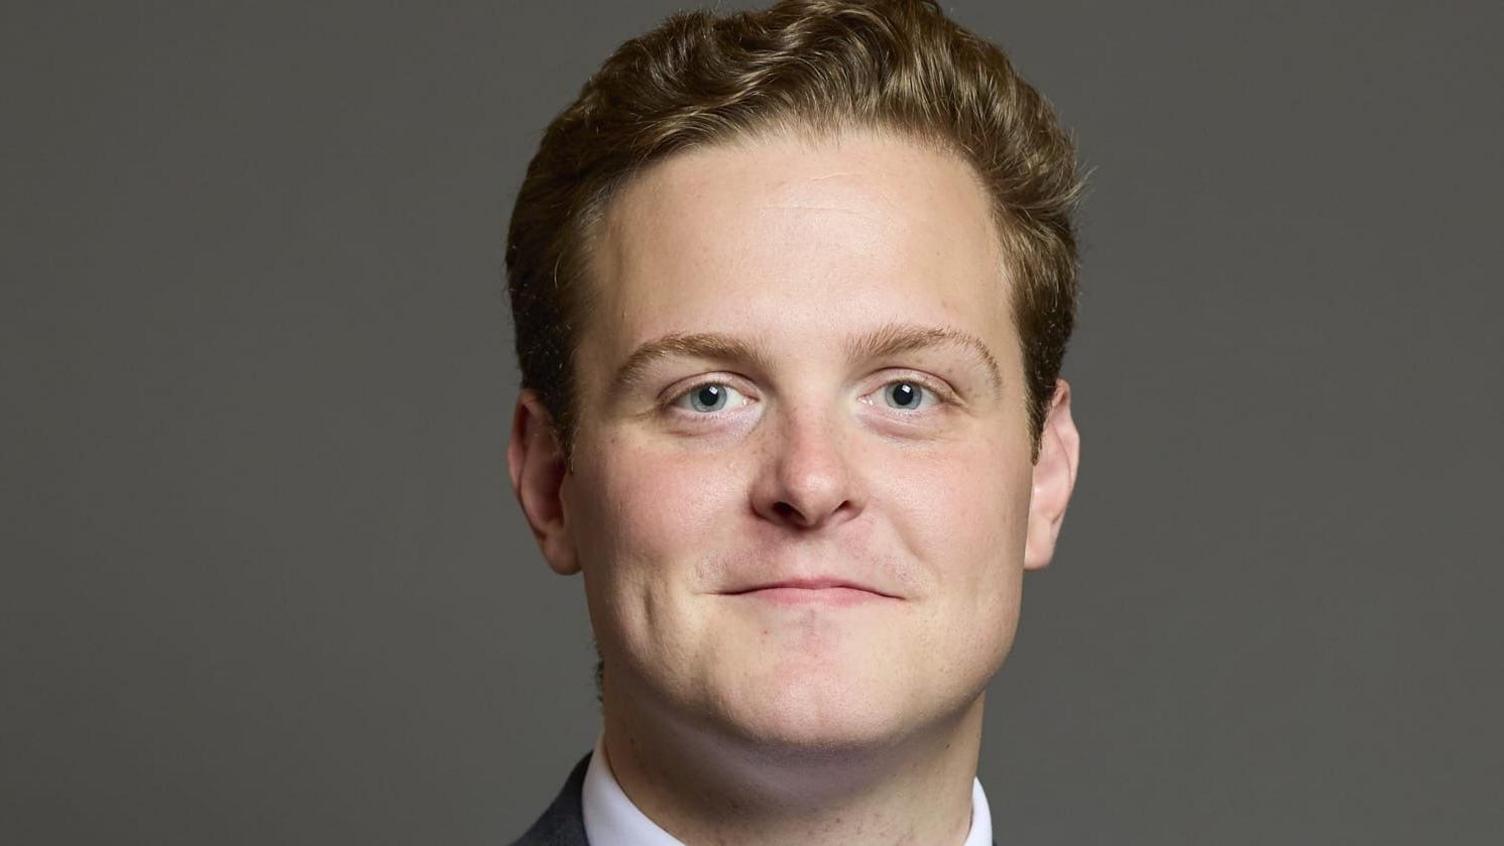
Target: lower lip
x,y
839,596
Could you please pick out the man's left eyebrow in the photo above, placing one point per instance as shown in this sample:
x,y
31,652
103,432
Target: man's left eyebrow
x,y
896,338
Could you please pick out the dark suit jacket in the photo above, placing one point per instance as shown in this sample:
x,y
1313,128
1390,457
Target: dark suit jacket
x,y
563,824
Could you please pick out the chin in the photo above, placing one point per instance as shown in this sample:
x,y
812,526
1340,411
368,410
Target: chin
x,y
826,713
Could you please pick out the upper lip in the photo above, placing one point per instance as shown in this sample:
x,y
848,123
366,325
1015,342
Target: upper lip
x,y
814,583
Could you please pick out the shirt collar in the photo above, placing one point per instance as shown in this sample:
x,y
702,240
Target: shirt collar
x,y
612,820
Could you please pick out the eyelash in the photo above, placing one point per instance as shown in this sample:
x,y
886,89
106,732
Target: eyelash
x,y
942,395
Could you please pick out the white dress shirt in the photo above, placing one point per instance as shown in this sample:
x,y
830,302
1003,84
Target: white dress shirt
x,y
612,820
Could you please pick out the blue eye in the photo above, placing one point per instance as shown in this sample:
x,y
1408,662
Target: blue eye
x,y
707,397
905,395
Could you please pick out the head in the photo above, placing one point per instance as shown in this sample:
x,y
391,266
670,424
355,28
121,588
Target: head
x,y
792,289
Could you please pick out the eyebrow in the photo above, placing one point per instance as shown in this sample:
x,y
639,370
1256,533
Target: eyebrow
x,y
887,340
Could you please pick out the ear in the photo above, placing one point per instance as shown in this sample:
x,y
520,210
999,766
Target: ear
x,y
535,460
1054,478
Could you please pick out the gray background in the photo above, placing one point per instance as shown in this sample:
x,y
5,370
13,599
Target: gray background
x,y
265,581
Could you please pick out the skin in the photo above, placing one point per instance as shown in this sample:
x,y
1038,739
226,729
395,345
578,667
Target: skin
x,y
799,715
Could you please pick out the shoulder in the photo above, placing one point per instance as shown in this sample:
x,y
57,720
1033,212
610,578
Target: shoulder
x,y
563,824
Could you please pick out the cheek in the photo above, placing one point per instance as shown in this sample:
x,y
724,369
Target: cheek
x,y
964,507
644,523
963,515
647,509
968,525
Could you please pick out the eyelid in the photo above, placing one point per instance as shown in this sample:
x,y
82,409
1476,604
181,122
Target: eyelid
x,y
943,392
675,393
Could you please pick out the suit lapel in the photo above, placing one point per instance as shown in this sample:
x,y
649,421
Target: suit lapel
x,y
563,824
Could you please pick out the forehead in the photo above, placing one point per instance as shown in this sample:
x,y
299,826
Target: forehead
x,y
781,238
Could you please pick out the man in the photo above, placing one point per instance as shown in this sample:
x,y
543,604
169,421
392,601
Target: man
x,y
792,290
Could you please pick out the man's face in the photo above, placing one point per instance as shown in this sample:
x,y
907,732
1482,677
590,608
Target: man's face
x,y
824,411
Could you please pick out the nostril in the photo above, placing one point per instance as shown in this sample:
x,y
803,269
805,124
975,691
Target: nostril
x,y
790,513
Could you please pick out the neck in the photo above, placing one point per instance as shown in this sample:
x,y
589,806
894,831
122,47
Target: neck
x,y
703,787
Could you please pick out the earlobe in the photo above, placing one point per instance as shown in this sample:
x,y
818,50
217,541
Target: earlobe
x,y
1054,478
535,461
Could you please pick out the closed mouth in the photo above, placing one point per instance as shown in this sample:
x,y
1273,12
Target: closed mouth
x,y
813,586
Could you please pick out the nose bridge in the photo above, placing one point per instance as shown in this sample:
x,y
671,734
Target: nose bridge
x,y
808,475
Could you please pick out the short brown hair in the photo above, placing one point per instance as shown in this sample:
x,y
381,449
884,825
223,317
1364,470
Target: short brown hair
x,y
816,66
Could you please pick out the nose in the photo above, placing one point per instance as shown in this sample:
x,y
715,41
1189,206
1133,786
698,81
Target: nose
x,y
806,480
